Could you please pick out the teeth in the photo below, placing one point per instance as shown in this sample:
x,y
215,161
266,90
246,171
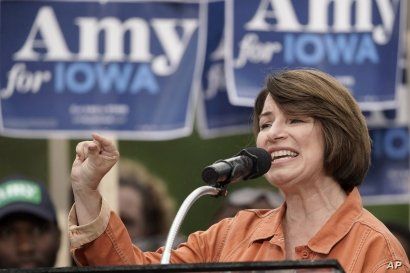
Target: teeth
x,y
283,153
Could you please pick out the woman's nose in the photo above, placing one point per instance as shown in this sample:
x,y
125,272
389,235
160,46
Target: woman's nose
x,y
277,132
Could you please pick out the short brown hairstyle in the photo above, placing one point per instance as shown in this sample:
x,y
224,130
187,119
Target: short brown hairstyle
x,y
312,93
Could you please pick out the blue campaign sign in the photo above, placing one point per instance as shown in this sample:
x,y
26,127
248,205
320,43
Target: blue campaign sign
x,y
355,41
388,180
70,67
216,115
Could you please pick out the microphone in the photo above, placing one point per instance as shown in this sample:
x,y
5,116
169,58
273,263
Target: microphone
x,y
249,163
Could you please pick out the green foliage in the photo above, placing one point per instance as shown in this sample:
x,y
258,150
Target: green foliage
x,y
392,213
178,162
25,157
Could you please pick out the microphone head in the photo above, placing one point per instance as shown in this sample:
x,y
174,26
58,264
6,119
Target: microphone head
x,y
249,163
210,175
262,161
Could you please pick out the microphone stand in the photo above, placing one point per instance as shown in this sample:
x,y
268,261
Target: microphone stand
x,y
186,205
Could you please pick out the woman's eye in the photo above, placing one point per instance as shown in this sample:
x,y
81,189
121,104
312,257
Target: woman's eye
x,y
264,125
295,120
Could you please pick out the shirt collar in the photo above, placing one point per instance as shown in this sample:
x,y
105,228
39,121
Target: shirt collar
x,y
336,227
270,226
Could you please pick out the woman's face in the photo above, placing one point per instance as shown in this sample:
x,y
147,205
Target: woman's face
x,y
296,145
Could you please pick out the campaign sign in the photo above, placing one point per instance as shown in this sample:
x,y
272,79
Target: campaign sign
x,y
216,115
71,67
388,180
355,41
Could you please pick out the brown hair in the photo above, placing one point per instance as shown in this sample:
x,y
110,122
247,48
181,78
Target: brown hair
x,y
158,207
312,93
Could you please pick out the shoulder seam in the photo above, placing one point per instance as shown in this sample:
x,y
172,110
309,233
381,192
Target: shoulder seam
x,y
356,255
386,239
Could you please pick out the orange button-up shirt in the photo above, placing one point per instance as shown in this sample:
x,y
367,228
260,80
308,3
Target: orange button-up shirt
x,y
352,235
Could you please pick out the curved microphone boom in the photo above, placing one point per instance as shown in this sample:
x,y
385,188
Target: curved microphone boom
x,y
249,163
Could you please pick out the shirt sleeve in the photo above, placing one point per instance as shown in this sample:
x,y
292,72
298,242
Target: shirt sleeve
x,y
385,255
81,235
105,241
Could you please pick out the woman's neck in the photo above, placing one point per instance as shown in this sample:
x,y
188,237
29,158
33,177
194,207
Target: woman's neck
x,y
310,206
314,201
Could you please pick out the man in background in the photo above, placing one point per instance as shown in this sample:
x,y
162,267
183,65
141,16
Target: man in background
x,y
29,233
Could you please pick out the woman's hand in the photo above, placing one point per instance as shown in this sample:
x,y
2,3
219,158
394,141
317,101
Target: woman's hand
x,y
93,160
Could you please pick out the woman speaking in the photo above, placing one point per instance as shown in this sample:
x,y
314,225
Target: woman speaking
x,y
320,147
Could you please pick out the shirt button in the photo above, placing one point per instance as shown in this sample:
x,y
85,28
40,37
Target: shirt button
x,y
305,254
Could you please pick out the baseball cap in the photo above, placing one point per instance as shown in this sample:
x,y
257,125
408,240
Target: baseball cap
x,y
20,195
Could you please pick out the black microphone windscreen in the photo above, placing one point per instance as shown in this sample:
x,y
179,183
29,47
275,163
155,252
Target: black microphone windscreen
x,y
263,161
